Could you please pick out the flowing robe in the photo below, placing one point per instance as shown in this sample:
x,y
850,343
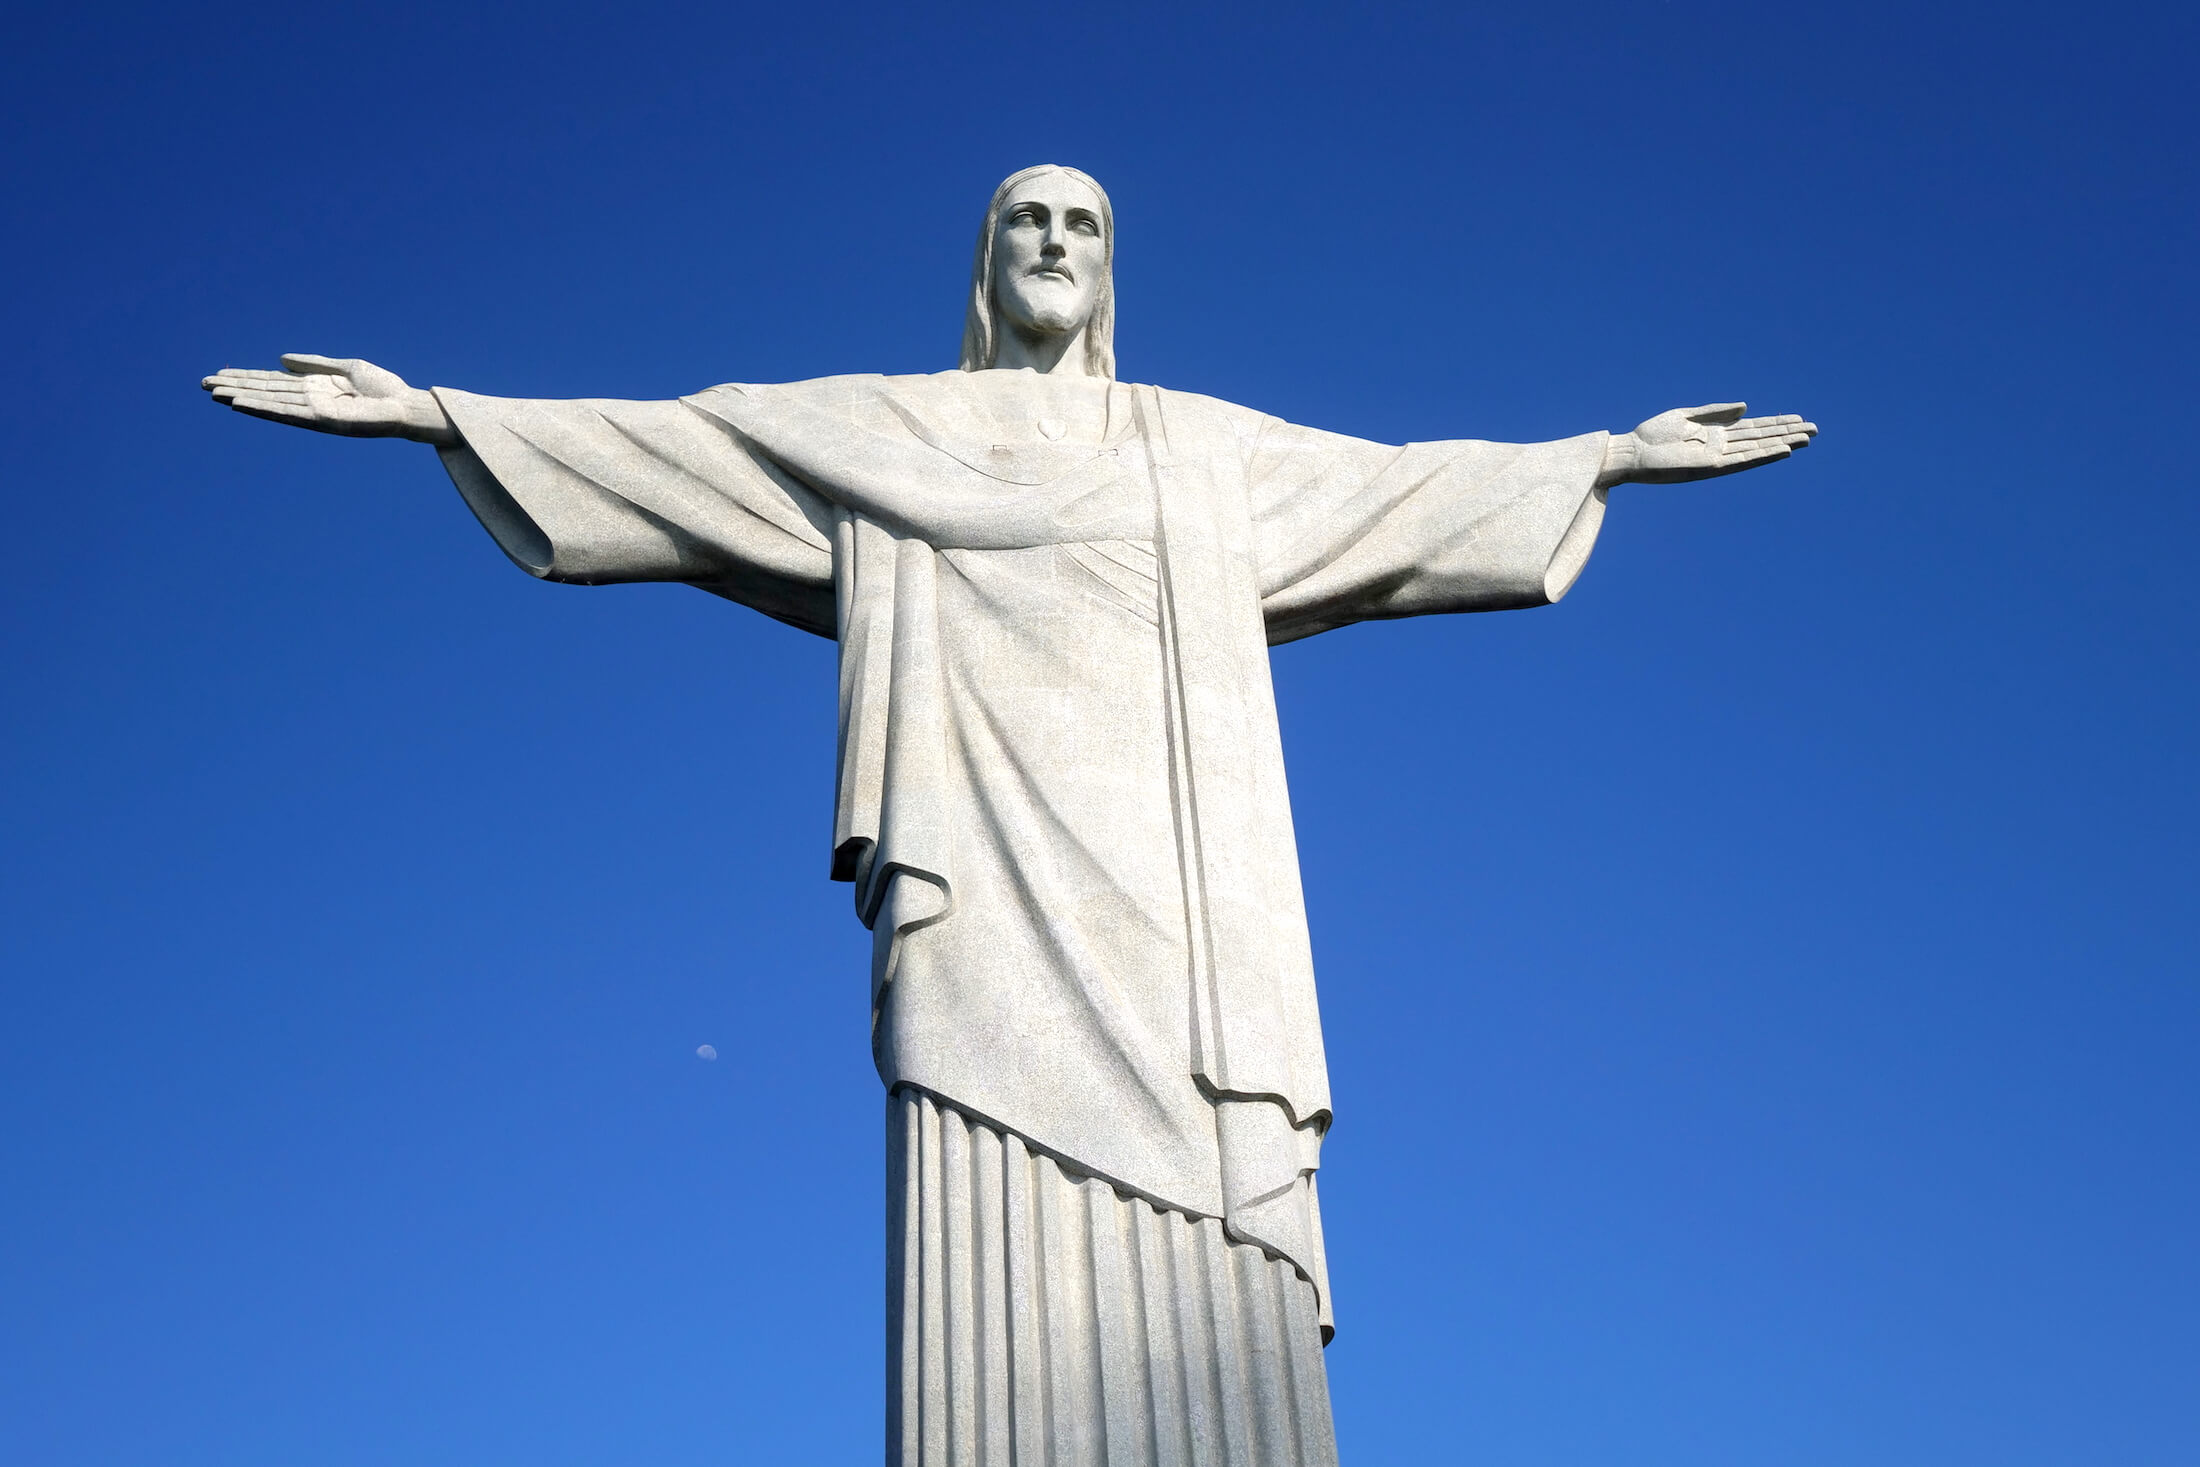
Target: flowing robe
x,y
1061,795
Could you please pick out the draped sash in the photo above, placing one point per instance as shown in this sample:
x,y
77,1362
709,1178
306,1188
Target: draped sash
x,y
900,501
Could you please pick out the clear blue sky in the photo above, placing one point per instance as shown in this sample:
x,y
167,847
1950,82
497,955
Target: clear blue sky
x,y
1761,992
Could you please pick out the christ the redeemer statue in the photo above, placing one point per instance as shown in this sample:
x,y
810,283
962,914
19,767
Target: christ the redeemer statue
x,y
1061,795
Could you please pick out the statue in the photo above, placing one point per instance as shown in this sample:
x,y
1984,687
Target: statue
x,y
1061,794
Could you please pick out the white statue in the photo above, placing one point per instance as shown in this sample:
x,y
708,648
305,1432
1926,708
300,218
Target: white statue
x,y
1061,794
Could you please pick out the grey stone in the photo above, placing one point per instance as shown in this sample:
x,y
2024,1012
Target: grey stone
x,y
1061,796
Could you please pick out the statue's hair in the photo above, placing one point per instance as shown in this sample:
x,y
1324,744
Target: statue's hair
x,y
982,325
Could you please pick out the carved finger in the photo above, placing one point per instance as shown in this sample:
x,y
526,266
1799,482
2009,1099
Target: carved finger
x,y
235,377
1717,412
1788,428
274,412
230,391
1743,434
1752,455
1788,423
297,399
307,362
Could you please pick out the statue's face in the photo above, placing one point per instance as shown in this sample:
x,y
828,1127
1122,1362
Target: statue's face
x,y
1049,256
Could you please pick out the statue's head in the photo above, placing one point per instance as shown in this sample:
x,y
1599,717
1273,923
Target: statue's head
x,y
1045,267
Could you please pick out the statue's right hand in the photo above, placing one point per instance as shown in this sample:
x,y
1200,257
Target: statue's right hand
x,y
333,395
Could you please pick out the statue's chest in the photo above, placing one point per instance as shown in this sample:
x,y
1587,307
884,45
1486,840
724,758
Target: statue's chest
x,y
1053,499
1004,483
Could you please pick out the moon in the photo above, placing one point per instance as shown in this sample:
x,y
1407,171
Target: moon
x,y
704,1051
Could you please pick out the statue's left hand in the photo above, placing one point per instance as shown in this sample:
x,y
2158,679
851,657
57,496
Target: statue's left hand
x,y
340,395
1703,443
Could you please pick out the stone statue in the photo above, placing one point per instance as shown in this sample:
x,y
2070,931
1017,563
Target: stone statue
x,y
1061,794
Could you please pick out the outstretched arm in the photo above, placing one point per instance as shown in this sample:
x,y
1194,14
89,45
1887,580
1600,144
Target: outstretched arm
x,y
335,395
1701,443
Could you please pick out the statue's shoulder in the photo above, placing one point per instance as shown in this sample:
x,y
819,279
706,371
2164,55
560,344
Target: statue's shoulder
x,y
860,399
1213,414
854,390
955,406
819,391
1201,402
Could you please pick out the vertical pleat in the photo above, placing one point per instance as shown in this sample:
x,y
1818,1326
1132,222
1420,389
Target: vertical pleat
x,y
1226,1343
930,1238
1029,1389
1125,1393
904,1289
1036,1318
1302,1339
1172,1422
962,1279
1203,1401
1076,1427
1262,1333
990,1298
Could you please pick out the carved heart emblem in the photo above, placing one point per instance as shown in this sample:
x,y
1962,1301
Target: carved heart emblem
x,y
1052,428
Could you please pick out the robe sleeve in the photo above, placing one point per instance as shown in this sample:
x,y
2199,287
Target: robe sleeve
x,y
596,492
1346,530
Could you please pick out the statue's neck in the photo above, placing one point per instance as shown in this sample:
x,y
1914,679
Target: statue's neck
x,y
1030,408
1051,354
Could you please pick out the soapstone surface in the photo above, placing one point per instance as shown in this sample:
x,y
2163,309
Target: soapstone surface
x,y
1061,802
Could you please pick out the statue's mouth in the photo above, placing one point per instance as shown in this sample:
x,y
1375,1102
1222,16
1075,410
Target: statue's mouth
x,y
1059,272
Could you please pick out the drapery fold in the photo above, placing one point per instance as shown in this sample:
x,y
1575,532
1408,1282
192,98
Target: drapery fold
x,y
1251,986
1038,1318
1138,994
1257,1040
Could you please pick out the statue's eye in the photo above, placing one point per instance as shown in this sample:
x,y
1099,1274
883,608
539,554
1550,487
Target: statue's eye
x,y
1086,226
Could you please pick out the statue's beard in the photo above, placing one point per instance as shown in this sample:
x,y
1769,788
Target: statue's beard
x,y
1041,318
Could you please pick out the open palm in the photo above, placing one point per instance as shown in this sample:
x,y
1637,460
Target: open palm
x,y
328,394
1705,442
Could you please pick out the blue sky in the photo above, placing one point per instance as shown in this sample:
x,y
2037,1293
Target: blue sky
x,y
1760,992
